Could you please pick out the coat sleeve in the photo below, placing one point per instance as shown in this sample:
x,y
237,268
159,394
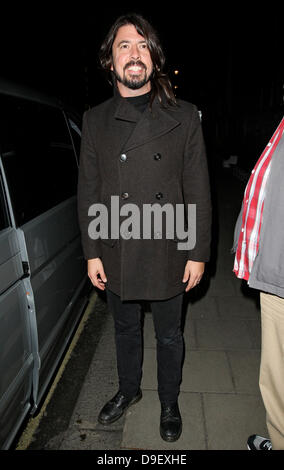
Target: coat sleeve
x,y
88,190
196,188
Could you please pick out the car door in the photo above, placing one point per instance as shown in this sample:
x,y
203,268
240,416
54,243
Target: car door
x,y
16,320
40,172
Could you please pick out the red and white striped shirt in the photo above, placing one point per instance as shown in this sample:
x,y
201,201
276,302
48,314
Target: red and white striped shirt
x,y
253,202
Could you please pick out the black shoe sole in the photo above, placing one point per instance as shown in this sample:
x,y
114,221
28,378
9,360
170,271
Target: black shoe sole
x,y
115,418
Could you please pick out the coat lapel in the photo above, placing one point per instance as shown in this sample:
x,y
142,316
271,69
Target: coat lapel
x,y
126,111
149,125
121,124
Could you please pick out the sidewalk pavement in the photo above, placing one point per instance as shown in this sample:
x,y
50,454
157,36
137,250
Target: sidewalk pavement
x,y
219,399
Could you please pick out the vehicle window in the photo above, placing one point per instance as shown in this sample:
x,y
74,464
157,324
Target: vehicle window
x,y
38,157
3,213
76,136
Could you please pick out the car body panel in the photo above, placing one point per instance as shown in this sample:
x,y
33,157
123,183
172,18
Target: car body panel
x,y
42,285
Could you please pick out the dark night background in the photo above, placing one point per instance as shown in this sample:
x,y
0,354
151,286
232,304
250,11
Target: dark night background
x,y
230,61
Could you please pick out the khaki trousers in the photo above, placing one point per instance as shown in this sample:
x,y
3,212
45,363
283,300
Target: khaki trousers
x,y
271,380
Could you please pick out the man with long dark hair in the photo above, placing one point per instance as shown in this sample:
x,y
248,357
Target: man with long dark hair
x,y
142,148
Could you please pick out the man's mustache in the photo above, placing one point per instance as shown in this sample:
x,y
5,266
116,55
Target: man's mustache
x,y
133,63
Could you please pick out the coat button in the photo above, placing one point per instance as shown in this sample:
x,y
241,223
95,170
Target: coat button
x,y
157,156
123,157
159,195
125,195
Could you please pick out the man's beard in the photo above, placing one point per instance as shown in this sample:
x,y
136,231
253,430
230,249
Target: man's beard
x,y
135,82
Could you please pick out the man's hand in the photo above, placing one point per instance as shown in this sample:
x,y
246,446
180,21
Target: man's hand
x,y
95,268
193,273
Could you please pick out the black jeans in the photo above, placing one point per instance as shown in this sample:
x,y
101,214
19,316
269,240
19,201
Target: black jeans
x,y
129,345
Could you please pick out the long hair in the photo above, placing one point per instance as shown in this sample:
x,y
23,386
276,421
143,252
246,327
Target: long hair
x,y
161,85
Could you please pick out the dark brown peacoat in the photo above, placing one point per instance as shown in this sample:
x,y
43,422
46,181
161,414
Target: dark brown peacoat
x,y
156,157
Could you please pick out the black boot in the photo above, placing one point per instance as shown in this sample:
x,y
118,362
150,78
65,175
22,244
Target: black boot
x,y
170,424
115,407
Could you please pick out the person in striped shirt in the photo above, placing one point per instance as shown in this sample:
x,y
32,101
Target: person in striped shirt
x,y
259,259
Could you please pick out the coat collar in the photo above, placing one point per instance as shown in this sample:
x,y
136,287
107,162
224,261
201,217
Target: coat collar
x,y
125,111
152,123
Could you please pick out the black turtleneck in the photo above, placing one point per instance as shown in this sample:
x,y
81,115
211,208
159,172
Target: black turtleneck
x,y
140,102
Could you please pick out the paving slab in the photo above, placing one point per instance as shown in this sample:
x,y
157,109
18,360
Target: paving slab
x,y
229,333
231,418
149,377
239,307
205,307
245,370
221,286
142,424
149,331
207,371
